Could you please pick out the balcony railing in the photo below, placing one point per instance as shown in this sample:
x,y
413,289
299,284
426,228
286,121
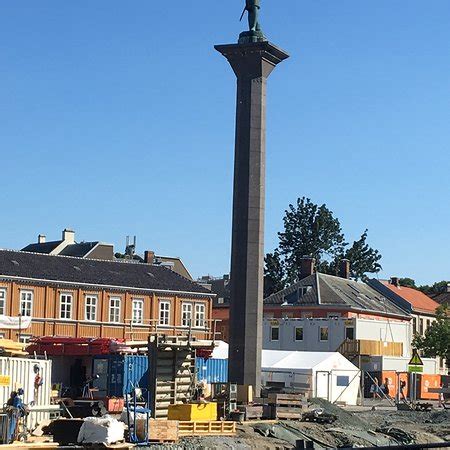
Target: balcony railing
x,y
141,331
356,347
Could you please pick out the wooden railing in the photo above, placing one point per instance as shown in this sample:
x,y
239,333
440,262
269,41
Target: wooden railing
x,y
141,331
356,347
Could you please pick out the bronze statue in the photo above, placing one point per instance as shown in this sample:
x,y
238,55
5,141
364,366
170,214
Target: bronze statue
x,y
252,7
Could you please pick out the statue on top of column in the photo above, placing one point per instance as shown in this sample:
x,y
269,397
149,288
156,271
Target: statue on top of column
x,y
252,7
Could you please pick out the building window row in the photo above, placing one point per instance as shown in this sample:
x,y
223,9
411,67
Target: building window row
x,y
192,314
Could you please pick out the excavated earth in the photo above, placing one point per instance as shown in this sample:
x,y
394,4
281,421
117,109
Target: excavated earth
x,y
356,428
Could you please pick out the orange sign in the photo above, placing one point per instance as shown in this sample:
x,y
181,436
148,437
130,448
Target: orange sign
x,y
5,380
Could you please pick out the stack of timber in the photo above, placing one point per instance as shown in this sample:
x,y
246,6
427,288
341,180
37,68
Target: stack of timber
x,y
286,406
158,430
210,428
12,348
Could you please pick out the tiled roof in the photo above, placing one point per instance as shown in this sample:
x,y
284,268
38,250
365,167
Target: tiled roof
x,y
334,291
418,300
94,272
443,297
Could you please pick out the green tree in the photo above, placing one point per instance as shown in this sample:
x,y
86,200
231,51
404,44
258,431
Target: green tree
x,y
407,282
436,288
436,341
274,274
312,230
363,258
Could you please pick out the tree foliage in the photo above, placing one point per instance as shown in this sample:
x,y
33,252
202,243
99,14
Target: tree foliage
x,y
436,341
312,230
363,258
274,274
407,282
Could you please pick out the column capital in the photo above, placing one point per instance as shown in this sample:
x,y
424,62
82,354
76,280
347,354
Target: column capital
x,y
252,60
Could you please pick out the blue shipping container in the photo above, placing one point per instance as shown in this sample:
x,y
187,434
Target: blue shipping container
x,y
121,373
212,370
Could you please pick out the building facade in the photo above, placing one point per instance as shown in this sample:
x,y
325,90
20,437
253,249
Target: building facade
x,y
77,297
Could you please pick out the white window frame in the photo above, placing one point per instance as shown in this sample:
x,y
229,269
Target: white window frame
x,y
186,314
295,334
25,338
64,301
115,304
91,302
26,303
2,301
200,315
137,311
272,328
164,313
320,334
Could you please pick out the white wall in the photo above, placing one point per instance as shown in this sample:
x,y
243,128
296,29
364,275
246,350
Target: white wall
x,y
364,329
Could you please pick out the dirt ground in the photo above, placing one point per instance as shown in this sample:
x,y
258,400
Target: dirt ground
x,y
356,428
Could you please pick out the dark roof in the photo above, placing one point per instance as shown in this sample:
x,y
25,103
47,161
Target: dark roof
x,y
94,272
443,297
329,290
81,249
46,247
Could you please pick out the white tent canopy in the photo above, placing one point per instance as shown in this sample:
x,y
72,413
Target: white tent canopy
x,y
327,375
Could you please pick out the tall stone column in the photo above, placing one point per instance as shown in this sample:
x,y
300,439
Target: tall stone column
x,y
252,63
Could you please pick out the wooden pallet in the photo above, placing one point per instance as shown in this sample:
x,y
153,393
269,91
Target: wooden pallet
x,y
212,428
251,411
286,406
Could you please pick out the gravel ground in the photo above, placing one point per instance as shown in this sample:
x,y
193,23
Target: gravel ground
x,y
357,428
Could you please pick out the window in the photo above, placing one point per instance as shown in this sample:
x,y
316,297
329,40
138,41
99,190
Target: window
x,y
65,306
274,333
298,333
2,301
350,333
342,380
323,333
199,315
421,327
90,312
26,303
138,311
114,309
24,338
164,313
414,325
186,314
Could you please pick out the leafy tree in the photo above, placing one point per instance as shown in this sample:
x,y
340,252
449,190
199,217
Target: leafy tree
x,y
274,274
407,282
436,341
363,258
436,288
310,230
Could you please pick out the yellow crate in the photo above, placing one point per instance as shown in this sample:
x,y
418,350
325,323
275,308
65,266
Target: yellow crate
x,y
193,412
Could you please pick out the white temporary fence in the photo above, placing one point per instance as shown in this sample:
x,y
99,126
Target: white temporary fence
x,y
18,373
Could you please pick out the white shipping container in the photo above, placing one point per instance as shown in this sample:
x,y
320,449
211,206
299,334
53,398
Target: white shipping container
x,y
20,372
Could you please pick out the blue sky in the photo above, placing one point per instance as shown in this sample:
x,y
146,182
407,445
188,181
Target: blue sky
x,y
117,118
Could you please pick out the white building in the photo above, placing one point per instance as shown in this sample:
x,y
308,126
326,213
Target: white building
x,y
327,375
328,334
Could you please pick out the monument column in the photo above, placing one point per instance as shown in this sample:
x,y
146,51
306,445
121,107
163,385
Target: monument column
x,y
252,60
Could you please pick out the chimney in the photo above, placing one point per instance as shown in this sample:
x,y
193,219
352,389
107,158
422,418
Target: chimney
x,y
344,268
149,257
41,239
307,264
68,236
395,281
